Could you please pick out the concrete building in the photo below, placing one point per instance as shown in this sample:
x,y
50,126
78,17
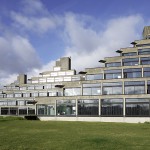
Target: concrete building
x,y
117,92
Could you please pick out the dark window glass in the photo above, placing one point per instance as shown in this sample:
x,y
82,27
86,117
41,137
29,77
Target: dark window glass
x,y
132,73
145,60
112,74
129,54
112,107
113,64
4,110
134,87
142,45
145,51
13,111
45,109
88,107
137,107
146,72
130,61
66,107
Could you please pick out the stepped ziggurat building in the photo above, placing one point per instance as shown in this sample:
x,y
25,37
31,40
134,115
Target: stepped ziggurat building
x,y
117,92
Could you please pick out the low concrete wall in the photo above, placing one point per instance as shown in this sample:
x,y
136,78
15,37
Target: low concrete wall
x,y
99,119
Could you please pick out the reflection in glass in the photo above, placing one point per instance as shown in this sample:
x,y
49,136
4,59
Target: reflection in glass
x,y
112,107
88,107
66,107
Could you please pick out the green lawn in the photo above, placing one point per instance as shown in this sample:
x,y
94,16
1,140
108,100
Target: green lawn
x,y
51,135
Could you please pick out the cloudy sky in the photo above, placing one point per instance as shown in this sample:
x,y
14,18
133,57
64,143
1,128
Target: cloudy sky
x,y
35,33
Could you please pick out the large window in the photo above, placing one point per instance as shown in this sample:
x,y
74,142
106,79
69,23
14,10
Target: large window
x,y
66,107
146,72
92,89
132,73
134,87
145,51
137,107
112,88
88,107
112,107
72,91
113,74
94,76
43,109
113,64
145,60
148,87
5,111
129,54
130,61
22,110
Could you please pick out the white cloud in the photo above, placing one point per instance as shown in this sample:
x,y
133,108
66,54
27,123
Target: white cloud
x,y
84,43
35,24
33,7
88,45
17,55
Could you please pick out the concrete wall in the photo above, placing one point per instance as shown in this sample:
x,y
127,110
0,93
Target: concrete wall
x,y
99,119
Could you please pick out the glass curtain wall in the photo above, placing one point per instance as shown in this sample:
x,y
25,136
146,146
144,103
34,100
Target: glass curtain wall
x,y
146,72
43,109
134,87
130,61
112,88
132,73
92,89
112,107
94,76
66,107
72,91
145,60
145,51
113,74
113,64
88,107
137,107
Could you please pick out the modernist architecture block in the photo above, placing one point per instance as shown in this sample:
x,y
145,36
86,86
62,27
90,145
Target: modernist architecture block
x,y
119,91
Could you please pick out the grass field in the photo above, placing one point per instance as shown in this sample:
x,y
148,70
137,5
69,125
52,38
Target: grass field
x,y
37,135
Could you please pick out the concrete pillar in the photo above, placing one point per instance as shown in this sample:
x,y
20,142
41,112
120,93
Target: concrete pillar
x,y
76,107
55,106
124,107
99,107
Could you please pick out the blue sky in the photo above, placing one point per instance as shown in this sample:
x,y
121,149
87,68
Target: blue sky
x,y
35,33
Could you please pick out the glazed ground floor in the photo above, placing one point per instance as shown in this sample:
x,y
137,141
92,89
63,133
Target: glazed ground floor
x,y
81,108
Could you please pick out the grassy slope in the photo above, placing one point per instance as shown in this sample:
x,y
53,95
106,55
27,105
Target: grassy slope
x,y
23,134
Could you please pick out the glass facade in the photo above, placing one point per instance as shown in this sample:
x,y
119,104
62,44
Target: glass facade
x,y
130,61
129,54
145,51
146,72
132,73
119,86
112,88
113,64
72,91
134,87
88,107
113,74
91,89
137,107
66,107
112,107
145,60
94,76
